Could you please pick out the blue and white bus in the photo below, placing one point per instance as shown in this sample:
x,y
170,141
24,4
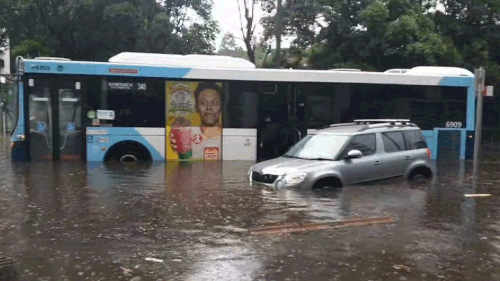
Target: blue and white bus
x,y
131,107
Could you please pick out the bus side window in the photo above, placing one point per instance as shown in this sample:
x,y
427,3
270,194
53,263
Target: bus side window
x,y
242,111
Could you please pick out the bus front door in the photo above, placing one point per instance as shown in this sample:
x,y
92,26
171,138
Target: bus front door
x,y
275,132
55,119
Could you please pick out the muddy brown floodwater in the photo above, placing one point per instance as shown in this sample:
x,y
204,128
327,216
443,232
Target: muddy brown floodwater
x,y
86,221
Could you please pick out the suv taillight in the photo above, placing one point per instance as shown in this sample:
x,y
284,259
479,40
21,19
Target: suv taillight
x,y
429,153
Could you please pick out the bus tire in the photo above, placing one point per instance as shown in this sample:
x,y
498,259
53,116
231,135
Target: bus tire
x,y
128,152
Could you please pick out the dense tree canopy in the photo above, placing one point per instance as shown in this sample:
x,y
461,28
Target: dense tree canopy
x,y
98,29
383,34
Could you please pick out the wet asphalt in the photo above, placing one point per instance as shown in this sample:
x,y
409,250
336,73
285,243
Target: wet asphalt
x,y
87,221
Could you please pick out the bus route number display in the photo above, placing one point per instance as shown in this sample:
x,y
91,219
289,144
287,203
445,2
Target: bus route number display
x,y
453,124
127,86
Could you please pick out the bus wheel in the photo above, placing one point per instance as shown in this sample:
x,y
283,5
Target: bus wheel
x,y
126,152
129,158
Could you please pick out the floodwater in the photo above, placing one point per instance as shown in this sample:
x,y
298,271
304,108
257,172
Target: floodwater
x,y
79,221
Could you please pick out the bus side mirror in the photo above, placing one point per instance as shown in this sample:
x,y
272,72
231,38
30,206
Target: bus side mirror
x,y
354,154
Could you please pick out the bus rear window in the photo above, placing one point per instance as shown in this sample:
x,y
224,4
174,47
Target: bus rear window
x,y
428,106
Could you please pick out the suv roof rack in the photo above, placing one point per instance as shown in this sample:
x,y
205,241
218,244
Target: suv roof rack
x,y
372,123
378,121
337,125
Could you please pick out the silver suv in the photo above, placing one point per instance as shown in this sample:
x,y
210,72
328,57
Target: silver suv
x,y
344,154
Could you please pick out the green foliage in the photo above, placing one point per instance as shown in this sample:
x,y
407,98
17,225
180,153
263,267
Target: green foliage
x,y
98,29
374,17
31,48
228,47
378,34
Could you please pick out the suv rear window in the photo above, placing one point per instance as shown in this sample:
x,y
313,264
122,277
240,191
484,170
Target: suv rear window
x,y
414,140
367,144
393,142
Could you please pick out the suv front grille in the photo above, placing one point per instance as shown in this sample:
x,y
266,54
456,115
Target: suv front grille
x,y
265,178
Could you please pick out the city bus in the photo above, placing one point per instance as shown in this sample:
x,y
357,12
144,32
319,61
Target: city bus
x,y
158,107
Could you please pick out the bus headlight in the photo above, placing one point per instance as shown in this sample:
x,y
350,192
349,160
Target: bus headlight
x,y
296,178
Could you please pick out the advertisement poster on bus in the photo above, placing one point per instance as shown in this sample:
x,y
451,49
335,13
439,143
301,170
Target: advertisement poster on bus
x,y
194,120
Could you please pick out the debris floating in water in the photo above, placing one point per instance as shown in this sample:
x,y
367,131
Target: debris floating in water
x,y
289,228
402,268
127,271
153,259
6,262
477,195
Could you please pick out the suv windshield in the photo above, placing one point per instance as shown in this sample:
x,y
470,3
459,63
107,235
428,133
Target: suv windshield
x,y
317,147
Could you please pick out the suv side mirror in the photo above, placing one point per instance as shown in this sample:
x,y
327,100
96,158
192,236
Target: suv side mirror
x,y
354,154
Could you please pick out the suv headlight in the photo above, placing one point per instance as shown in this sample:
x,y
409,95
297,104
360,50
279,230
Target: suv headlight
x,y
296,178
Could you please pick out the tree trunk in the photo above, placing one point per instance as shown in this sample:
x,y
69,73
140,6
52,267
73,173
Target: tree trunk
x,y
278,34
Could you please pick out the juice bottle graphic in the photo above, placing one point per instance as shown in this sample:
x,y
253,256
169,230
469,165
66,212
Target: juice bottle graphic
x,y
182,135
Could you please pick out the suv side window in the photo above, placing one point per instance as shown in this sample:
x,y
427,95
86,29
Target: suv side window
x,y
393,142
367,144
414,140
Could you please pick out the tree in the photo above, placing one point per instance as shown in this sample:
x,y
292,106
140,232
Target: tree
x,y
342,39
474,28
191,34
228,46
301,19
381,34
247,15
98,29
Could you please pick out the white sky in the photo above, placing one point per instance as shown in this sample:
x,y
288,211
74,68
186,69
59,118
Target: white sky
x,y
227,14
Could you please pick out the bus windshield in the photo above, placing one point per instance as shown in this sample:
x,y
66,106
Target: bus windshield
x,y
318,147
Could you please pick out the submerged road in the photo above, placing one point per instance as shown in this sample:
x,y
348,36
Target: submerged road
x,y
79,221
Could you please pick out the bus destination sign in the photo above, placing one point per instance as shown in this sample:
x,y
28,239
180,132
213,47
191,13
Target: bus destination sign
x,y
127,86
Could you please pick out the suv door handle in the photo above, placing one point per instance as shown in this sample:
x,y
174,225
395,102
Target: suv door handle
x,y
378,162
407,157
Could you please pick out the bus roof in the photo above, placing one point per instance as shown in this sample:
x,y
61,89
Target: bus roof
x,y
440,70
203,71
181,60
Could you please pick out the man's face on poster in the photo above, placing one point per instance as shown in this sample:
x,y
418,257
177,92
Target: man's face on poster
x,y
209,106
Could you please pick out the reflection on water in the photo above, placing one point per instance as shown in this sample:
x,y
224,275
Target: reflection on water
x,y
87,221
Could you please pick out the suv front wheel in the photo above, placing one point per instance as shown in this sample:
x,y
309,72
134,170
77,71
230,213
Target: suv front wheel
x,y
329,182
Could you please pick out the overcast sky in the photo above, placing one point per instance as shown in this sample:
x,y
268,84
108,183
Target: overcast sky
x,y
227,14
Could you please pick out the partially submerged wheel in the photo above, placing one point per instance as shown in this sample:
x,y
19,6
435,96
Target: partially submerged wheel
x,y
128,152
128,158
330,182
419,178
420,175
